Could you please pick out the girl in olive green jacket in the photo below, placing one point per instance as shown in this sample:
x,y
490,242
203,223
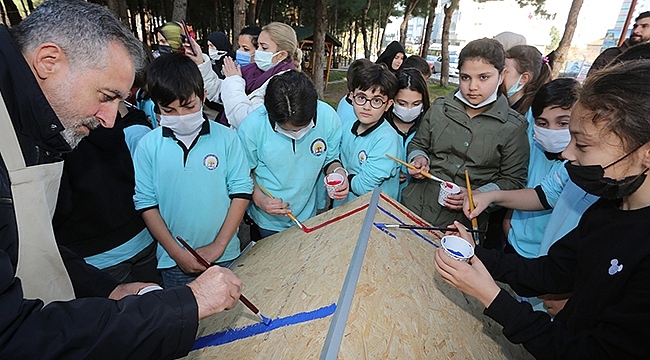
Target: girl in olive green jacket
x,y
472,129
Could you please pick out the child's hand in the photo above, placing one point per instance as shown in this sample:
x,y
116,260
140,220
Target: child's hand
x,y
421,163
471,278
274,206
455,202
342,191
186,262
212,251
230,68
481,201
198,57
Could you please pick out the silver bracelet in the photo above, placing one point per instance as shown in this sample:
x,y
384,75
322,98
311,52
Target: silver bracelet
x,y
346,172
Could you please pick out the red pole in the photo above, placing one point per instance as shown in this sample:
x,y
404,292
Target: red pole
x,y
627,23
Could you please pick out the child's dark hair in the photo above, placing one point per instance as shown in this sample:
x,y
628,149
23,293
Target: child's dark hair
x,y
528,59
559,92
291,98
173,77
487,50
617,97
412,79
353,69
376,77
418,63
253,32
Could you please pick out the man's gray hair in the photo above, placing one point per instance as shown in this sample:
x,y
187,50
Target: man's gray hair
x,y
82,29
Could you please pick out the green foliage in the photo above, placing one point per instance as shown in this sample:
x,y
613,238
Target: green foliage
x,y
555,39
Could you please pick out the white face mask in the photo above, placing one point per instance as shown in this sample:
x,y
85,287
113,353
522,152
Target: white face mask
x,y
405,114
183,125
486,102
553,141
264,59
515,87
295,135
216,54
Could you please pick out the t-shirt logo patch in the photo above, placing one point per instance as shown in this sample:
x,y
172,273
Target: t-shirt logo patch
x,y
362,156
318,147
211,161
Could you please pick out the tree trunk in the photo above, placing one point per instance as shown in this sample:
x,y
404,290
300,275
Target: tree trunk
x,y
30,5
565,43
250,15
123,13
426,40
354,42
318,48
239,20
364,30
142,4
407,14
220,22
180,10
444,68
113,7
258,12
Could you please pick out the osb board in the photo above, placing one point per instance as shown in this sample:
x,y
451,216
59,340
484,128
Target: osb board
x,y
402,309
285,274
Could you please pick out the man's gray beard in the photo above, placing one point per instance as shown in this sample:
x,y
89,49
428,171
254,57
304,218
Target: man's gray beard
x,y
72,137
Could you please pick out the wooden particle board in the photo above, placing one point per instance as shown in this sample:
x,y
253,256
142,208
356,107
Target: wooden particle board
x,y
401,308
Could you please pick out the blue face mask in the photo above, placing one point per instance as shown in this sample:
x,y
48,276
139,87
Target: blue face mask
x,y
515,87
264,59
243,58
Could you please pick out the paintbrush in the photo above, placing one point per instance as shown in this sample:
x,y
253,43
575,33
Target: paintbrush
x,y
471,208
417,227
290,215
242,298
410,166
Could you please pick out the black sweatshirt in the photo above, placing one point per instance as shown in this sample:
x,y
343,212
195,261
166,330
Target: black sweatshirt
x,y
605,263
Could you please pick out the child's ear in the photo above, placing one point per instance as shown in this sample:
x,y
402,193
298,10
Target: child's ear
x,y
525,77
646,155
389,103
501,74
205,95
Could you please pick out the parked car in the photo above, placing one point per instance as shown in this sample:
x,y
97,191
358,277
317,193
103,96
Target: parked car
x,y
453,65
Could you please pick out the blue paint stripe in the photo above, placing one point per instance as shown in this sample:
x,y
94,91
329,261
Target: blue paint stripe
x,y
231,335
401,222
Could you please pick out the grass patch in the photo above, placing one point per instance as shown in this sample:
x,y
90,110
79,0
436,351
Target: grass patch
x,y
336,75
435,90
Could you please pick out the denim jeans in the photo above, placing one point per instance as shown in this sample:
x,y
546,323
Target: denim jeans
x,y
266,233
174,276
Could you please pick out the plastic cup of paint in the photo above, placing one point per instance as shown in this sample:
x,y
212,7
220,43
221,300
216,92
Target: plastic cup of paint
x,y
149,288
332,182
447,188
457,248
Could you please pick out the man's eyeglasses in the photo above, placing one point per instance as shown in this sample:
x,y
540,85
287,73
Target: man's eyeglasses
x,y
375,103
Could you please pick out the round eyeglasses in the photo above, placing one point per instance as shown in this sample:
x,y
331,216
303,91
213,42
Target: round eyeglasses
x,y
375,103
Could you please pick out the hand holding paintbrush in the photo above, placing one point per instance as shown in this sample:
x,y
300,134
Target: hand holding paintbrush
x,y
207,265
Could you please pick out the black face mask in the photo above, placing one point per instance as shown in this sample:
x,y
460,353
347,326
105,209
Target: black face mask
x,y
591,178
164,49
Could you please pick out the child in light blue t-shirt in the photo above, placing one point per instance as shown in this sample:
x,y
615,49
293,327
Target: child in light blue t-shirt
x,y
289,142
366,141
191,175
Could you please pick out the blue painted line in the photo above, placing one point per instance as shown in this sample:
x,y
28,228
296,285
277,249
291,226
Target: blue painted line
x,y
401,222
231,335
382,228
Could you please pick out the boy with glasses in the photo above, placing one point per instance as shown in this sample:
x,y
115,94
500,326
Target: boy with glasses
x,y
366,141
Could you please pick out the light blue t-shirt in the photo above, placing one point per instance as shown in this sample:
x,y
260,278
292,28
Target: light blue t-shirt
x,y
364,156
345,111
527,227
192,188
569,202
287,168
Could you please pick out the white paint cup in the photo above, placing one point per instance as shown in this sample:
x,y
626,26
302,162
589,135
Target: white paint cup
x,y
332,182
447,188
457,248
